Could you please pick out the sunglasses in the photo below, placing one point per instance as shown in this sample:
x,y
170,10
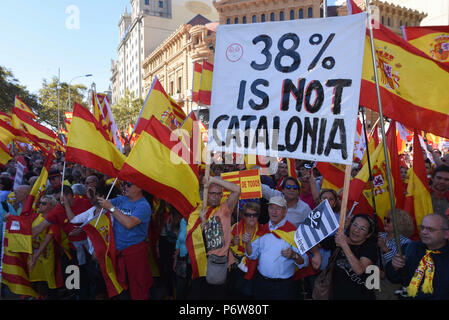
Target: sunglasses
x,y
387,220
251,215
43,203
128,184
288,187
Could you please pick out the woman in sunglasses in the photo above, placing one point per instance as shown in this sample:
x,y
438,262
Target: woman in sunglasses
x,y
388,247
242,269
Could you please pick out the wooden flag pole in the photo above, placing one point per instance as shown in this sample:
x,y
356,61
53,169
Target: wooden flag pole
x,y
382,129
344,202
205,188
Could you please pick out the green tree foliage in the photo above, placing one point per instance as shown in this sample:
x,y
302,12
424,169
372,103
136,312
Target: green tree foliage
x,y
10,87
48,96
126,110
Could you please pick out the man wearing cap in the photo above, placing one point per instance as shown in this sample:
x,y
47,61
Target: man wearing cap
x,y
277,255
55,179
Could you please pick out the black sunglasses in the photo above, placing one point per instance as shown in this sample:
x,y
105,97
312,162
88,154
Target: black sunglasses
x,y
288,187
43,203
387,220
128,184
251,215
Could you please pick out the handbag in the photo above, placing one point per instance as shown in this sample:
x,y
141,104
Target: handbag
x,y
323,283
217,269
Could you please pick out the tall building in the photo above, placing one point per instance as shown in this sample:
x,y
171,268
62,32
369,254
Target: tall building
x,y
141,31
437,10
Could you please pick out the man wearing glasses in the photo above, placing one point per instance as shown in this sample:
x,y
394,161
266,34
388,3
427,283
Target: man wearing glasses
x,y
425,264
132,214
440,190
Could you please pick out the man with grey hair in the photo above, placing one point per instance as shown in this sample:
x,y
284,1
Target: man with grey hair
x,y
277,254
21,194
79,189
425,264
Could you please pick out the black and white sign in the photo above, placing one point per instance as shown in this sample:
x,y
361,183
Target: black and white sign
x,y
320,223
288,88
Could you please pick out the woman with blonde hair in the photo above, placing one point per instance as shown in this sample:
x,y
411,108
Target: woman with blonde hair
x,y
388,247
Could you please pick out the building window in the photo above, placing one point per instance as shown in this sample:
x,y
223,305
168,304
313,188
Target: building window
x,y
301,14
388,22
179,84
272,16
161,4
244,19
262,17
383,20
281,16
236,20
254,19
171,88
310,12
228,21
400,23
292,15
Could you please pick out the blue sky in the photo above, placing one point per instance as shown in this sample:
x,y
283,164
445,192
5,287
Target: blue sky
x,y
38,37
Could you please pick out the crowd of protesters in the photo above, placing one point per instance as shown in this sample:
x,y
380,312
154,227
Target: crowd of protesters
x,y
153,260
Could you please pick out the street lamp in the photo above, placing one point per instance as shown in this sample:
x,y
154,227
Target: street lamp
x,y
86,75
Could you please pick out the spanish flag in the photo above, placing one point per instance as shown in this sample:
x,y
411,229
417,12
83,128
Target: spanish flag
x,y
16,249
432,40
48,266
5,117
170,176
418,201
102,238
205,91
89,145
413,86
160,105
360,188
19,104
333,175
5,154
32,201
21,121
197,71
195,242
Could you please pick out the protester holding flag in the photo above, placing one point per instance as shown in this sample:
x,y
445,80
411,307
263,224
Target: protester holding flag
x,y
132,214
387,243
358,251
277,254
425,262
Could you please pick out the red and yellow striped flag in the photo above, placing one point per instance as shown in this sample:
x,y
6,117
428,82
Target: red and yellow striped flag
x,y
333,175
171,176
5,154
205,91
360,186
197,70
432,40
418,201
5,117
413,86
19,104
88,144
21,121
102,238
31,203
159,104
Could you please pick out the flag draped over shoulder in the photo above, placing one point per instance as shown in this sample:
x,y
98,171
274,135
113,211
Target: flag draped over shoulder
x,y
169,175
205,91
432,40
88,144
418,202
17,246
102,238
159,104
360,188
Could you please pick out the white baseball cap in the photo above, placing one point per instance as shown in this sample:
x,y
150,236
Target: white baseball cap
x,y
279,201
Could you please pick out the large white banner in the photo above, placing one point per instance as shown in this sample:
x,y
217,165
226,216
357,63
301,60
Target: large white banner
x,y
288,88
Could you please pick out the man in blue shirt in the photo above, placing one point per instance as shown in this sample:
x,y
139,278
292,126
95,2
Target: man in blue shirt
x,y
131,214
277,254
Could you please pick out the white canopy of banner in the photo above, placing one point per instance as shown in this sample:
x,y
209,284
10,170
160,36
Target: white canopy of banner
x,y
288,88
